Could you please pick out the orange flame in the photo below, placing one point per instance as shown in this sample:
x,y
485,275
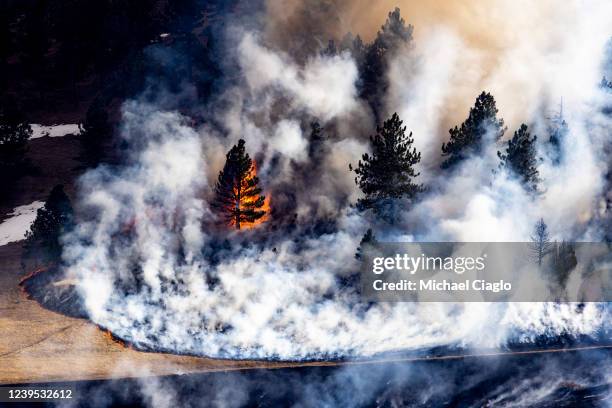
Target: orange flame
x,y
111,338
264,218
248,200
32,273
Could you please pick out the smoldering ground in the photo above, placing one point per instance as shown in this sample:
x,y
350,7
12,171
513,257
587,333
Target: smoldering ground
x,y
156,269
566,379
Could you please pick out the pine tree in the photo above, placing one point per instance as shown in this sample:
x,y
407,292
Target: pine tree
x,y
394,32
238,197
14,136
330,50
316,141
468,139
563,261
540,241
355,46
52,220
389,172
606,214
557,131
607,221
373,59
391,36
368,239
520,158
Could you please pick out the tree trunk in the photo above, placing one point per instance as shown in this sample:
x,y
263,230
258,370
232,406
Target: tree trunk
x,y
238,207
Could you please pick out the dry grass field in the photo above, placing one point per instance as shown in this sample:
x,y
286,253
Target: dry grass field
x,y
39,345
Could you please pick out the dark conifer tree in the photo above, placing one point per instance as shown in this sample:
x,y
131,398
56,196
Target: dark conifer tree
x,y
331,49
368,239
367,247
540,242
607,220
373,59
393,34
316,141
52,220
605,84
520,158
563,261
238,197
389,172
557,131
606,214
468,139
355,46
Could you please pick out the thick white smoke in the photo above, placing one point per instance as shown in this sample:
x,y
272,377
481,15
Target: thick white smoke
x,y
142,254
325,86
531,58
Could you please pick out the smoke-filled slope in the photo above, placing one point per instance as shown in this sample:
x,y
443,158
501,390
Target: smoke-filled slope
x,y
154,266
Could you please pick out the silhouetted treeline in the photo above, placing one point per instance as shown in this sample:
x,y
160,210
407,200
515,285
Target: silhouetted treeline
x,y
60,51
373,59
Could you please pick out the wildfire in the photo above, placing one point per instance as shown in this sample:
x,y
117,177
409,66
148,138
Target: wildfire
x,y
245,202
27,277
266,208
31,274
107,334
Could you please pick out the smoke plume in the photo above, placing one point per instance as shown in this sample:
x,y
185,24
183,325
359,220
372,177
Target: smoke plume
x,y
155,268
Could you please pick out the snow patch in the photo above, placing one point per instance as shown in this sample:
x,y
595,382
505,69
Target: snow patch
x,y
15,227
54,130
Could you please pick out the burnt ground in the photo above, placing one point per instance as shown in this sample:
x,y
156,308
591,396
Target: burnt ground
x,y
567,380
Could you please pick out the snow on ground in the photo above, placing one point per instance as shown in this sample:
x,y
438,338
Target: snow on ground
x,y
54,130
15,227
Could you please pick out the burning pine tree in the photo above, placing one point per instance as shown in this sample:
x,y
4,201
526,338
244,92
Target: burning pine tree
x,y
237,195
